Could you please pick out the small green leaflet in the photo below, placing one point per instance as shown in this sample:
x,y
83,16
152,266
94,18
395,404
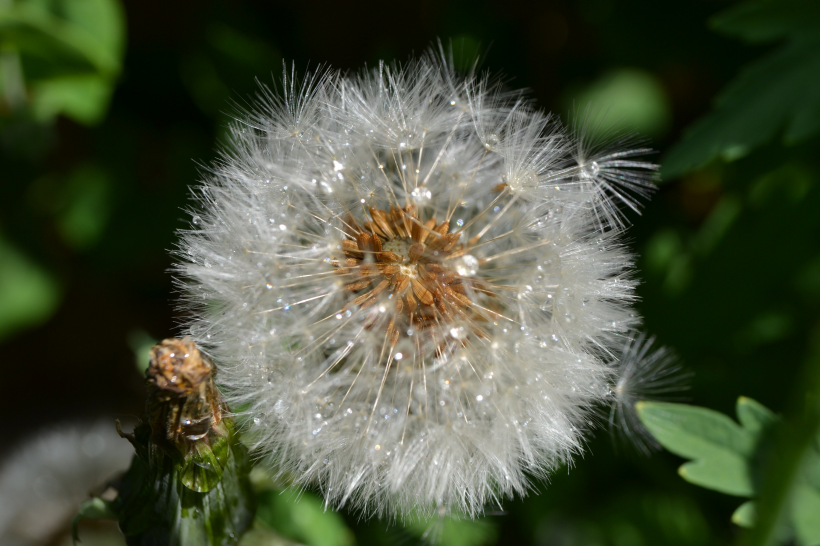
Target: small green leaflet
x,y
773,94
719,448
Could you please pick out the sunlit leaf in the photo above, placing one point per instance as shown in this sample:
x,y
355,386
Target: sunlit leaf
x,y
719,447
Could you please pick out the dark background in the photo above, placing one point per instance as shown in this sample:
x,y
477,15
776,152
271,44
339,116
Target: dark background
x,y
730,275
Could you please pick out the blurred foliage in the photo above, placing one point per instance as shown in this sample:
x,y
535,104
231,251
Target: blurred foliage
x,y
60,56
100,139
28,292
774,94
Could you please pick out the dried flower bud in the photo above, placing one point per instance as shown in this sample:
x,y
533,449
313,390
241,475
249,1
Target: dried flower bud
x,y
188,483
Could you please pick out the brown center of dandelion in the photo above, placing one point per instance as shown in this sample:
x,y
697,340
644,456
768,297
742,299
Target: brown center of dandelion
x,y
415,265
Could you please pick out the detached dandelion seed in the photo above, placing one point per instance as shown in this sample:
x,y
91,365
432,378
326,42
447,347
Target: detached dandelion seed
x,y
417,261
644,372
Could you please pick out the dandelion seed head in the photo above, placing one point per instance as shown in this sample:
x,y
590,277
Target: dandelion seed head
x,y
444,289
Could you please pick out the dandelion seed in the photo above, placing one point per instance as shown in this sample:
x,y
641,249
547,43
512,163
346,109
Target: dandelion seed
x,y
643,372
429,266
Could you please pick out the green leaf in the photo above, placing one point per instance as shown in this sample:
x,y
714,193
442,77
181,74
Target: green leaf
x,y
805,511
94,508
71,53
301,516
754,416
720,448
745,515
84,98
773,94
30,295
90,30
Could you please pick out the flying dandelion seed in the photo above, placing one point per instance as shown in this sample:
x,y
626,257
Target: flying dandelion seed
x,y
644,372
411,282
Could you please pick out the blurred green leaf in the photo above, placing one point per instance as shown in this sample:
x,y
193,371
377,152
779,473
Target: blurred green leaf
x,y
775,93
83,98
87,207
627,99
767,327
454,531
89,30
466,50
71,53
720,219
140,343
301,516
720,448
805,510
745,515
790,182
29,294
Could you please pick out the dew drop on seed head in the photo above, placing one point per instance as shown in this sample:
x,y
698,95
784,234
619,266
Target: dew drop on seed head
x,y
466,266
591,169
526,180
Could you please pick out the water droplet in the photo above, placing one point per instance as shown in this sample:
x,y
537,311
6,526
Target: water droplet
x,y
466,266
458,333
492,141
421,194
590,170
523,181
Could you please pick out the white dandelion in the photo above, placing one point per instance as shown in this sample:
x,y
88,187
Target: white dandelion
x,y
409,285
